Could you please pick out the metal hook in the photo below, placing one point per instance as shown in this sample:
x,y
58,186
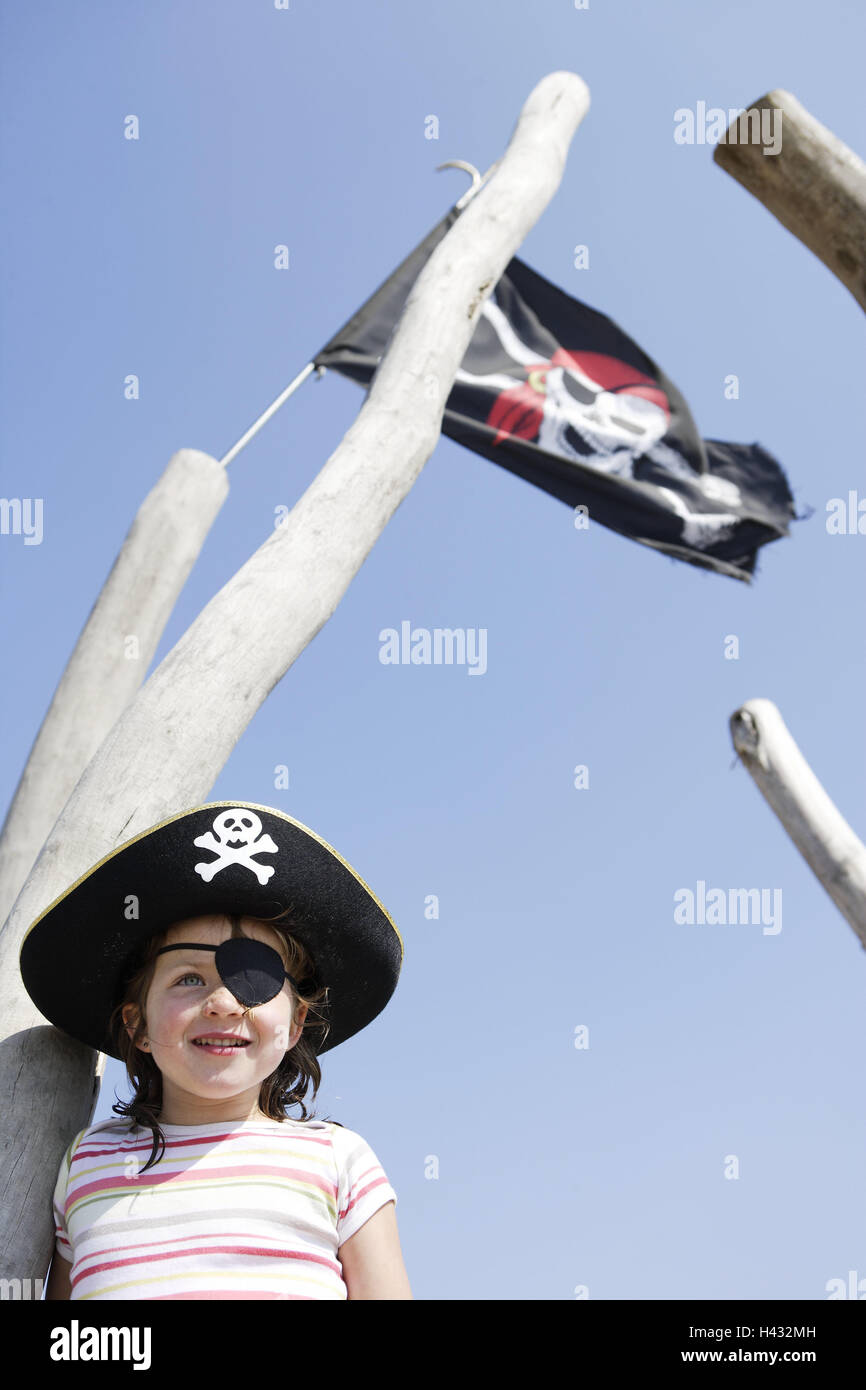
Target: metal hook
x,y
467,169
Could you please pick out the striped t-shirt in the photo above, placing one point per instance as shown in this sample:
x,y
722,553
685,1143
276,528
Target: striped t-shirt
x,y
237,1209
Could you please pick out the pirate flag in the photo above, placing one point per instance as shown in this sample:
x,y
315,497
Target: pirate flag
x,y
555,392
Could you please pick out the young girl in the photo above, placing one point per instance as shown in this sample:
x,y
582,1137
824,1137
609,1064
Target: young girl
x,y
218,982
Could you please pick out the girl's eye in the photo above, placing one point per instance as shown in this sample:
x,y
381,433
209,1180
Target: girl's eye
x,y
191,975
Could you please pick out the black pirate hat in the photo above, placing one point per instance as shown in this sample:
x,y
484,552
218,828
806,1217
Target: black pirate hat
x,y
224,857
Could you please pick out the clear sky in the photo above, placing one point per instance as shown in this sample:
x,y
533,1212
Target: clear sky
x,y
558,1166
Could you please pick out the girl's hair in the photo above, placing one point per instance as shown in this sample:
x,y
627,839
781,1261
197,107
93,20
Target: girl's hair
x,y
284,1087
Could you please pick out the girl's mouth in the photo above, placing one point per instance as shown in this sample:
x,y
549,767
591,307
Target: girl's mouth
x,y
221,1047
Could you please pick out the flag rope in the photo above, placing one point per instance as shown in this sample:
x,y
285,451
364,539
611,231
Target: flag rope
x,y
272,408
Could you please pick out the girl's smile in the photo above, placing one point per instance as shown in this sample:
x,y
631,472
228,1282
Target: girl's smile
x,y
221,1044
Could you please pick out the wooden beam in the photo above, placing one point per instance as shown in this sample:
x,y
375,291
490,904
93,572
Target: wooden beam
x,y
824,838
167,749
113,653
815,185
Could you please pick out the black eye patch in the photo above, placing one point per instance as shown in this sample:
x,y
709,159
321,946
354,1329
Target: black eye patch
x,y
250,970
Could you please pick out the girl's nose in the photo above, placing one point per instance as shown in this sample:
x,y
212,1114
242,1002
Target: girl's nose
x,y
222,1001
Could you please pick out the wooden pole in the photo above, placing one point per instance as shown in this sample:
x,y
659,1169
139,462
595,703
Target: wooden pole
x,y
167,749
823,837
814,185
112,654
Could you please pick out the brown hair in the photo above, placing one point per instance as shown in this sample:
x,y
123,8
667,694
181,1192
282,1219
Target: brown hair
x,y
284,1087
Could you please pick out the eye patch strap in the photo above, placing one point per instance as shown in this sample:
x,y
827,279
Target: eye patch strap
x,y
250,970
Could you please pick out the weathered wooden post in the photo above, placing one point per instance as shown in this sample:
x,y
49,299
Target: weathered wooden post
x,y
815,185
111,656
166,750
824,838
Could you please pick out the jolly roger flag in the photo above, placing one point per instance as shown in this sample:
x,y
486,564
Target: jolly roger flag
x,y
555,392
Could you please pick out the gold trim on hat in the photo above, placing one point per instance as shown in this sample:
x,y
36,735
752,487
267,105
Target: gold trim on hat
x,y
206,806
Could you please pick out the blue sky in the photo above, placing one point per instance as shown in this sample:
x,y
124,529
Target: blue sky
x,y
558,1167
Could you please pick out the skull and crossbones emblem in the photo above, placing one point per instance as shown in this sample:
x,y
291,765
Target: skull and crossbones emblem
x,y
235,838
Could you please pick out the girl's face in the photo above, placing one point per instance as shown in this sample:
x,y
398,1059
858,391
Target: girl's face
x,y
213,1055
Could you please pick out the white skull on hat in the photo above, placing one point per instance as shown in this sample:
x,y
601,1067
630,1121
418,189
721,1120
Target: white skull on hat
x,y
235,838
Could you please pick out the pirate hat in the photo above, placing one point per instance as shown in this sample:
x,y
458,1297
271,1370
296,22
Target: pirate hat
x,y
224,857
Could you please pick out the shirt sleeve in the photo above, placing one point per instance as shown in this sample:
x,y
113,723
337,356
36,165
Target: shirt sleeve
x,y
62,1243
363,1185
